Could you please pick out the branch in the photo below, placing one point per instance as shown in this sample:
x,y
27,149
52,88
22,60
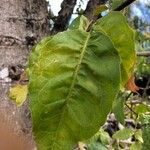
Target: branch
x,y
64,15
123,5
145,53
119,8
91,6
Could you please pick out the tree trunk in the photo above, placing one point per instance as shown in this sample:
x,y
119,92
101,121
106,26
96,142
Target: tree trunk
x,y
22,24
64,15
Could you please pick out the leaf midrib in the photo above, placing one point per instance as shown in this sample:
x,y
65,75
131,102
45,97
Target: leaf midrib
x,y
73,83
78,67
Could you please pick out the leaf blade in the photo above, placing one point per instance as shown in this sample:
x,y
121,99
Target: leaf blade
x,y
115,26
72,62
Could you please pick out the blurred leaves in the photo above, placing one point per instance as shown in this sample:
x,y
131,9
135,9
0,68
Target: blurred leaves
x,y
118,109
136,146
141,108
138,135
99,141
123,134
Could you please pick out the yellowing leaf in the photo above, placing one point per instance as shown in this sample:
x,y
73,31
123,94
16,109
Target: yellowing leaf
x,y
74,79
69,78
19,93
123,40
100,9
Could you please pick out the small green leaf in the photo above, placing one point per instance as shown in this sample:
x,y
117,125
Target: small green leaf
x,y
96,146
118,110
138,135
94,138
141,108
19,93
146,137
81,22
136,146
104,137
123,134
145,119
100,9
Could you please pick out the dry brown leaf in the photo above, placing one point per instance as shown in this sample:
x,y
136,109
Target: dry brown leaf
x,y
131,85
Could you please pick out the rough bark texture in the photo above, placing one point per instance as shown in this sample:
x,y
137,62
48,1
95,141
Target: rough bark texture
x,y
91,6
64,16
22,24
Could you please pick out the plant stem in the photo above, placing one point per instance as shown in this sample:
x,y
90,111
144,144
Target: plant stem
x,y
131,109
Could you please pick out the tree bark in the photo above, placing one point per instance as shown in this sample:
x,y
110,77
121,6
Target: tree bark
x,y
64,15
22,24
91,6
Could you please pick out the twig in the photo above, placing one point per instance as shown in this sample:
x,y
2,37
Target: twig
x,y
128,96
144,54
126,142
131,109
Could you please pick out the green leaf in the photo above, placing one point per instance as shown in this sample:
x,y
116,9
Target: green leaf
x,y
18,93
123,134
116,3
73,82
146,137
94,138
115,26
144,119
136,146
81,22
104,137
138,135
141,108
96,146
100,9
101,136
118,109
